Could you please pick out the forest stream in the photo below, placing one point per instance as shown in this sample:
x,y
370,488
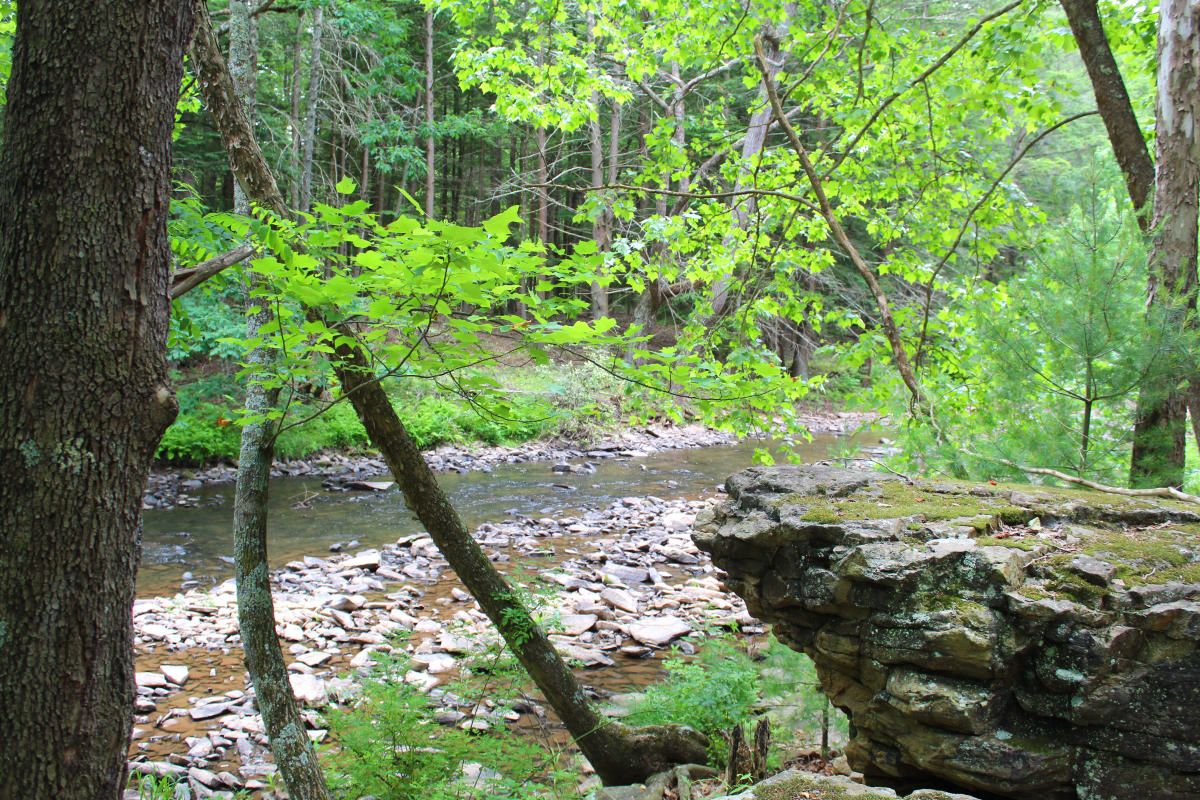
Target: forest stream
x,y
623,528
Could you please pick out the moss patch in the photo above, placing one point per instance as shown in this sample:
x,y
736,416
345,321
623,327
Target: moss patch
x,y
931,502
1143,555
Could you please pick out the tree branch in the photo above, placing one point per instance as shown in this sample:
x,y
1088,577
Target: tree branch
x,y
839,234
184,280
934,67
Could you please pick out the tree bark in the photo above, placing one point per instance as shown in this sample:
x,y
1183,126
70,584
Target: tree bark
x,y
1112,101
1161,417
85,192
620,755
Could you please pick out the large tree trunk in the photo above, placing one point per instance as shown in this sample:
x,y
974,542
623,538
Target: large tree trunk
x,y
619,755
84,200
228,94
1158,445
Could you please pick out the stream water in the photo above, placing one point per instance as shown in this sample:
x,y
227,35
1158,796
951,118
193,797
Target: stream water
x,y
195,544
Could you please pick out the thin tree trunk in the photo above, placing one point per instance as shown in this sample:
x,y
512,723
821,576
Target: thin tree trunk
x,y
1159,430
294,118
429,148
293,751
600,227
85,192
310,111
752,146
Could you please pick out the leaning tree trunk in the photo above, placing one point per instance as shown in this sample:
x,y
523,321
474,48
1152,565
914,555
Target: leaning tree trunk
x,y
229,101
1159,430
620,755
85,193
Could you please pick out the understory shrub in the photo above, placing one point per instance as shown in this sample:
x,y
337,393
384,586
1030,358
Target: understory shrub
x,y
388,746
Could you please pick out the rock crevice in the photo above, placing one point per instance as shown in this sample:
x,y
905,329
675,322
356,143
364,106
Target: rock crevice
x,y
1023,642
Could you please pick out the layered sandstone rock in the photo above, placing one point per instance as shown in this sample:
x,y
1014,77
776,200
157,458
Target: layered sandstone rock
x,y
1028,643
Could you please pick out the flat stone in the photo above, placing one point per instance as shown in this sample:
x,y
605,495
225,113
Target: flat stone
x,y
175,673
619,598
435,663
207,779
367,559
309,689
626,574
657,631
342,602
208,711
151,680
1092,569
588,656
575,624
313,658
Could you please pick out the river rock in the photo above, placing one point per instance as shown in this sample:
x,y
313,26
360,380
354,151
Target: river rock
x,y
367,559
576,624
969,646
620,599
175,673
309,689
657,631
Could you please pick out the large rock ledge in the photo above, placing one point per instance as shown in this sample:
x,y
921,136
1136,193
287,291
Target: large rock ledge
x,y
1024,642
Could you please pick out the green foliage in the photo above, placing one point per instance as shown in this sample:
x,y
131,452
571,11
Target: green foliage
x,y
387,745
8,27
1042,367
150,787
712,692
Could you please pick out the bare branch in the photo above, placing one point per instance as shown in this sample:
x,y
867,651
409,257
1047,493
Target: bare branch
x,y
184,280
934,67
839,234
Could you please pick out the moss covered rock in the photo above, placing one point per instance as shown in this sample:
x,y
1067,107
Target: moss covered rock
x,y
1015,640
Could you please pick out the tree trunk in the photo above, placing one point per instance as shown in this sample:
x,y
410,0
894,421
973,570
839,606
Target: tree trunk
x,y
293,751
85,191
600,227
429,151
752,147
243,68
1112,101
1159,430
294,118
310,111
619,755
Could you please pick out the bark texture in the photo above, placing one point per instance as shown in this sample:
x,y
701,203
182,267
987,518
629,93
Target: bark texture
x,y
620,755
84,262
1160,427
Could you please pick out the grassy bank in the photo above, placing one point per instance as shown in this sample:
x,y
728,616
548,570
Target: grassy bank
x,y
578,400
